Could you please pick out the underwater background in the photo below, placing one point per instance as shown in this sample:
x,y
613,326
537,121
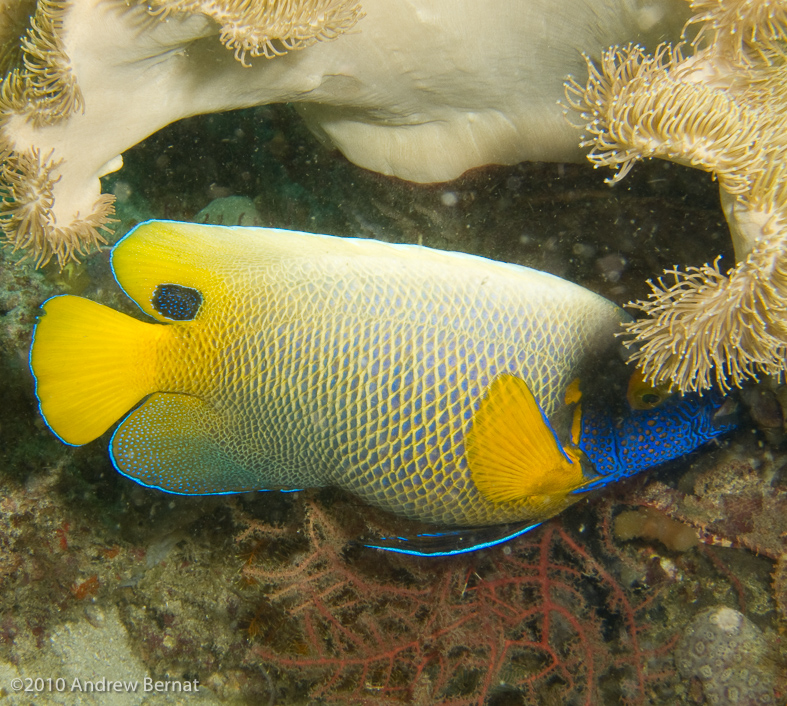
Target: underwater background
x,y
667,589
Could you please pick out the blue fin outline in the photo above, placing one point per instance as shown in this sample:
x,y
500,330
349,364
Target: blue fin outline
x,y
39,313
396,544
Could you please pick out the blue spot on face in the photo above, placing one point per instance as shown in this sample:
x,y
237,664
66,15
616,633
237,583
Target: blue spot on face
x,y
646,438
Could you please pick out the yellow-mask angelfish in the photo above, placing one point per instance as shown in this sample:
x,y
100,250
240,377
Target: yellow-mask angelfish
x,y
439,386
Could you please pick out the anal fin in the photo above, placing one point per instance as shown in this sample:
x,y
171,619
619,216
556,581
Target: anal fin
x,y
170,443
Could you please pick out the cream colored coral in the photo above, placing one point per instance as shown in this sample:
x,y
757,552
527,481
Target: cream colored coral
x,y
419,89
269,27
719,105
51,142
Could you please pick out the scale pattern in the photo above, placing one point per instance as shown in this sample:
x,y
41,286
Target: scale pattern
x,y
360,364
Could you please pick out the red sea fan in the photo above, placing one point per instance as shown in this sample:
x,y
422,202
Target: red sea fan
x,y
536,620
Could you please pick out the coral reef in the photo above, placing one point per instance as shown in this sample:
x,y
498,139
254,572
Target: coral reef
x,y
733,502
350,627
268,28
292,610
422,92
729,658
50,85
734,506
45,563
230,211
649,523
169,570
715,104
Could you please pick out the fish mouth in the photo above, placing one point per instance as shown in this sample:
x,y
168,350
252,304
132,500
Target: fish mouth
x,y
728,413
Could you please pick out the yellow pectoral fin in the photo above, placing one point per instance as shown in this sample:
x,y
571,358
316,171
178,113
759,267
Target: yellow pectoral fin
x,y
512,451
576,425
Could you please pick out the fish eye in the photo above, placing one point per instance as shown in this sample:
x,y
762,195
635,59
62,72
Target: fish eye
x,y
646,398
176,302
643,395
651,399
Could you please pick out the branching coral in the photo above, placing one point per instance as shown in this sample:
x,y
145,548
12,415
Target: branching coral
x,y
354,628
718,107
420,89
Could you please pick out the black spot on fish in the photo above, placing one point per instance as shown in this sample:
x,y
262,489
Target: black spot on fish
x,y
177,302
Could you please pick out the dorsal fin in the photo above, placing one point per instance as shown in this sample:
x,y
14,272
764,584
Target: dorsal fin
x,y
158,259
513,452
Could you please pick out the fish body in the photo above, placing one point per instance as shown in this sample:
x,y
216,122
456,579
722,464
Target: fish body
x,y
439,386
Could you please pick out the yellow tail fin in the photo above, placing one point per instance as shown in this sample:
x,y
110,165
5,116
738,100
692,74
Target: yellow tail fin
x,y
92,364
